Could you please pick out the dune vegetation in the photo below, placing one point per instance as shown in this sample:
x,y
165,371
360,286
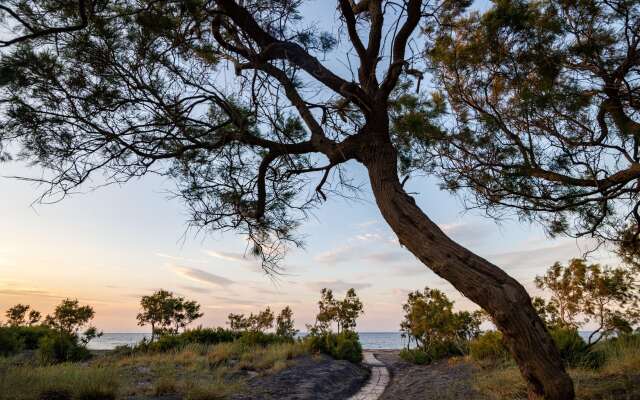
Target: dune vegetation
x,y
617,378
51,361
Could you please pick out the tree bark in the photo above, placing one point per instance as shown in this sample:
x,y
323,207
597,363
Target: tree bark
x,y
504,298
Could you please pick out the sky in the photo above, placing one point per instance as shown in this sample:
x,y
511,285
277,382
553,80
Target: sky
x,y
108,247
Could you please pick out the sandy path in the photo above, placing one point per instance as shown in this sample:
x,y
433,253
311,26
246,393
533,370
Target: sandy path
x,y
437,381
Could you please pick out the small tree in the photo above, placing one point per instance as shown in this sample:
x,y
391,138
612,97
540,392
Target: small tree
x,y
34,317
348,310
69,317
430,320
185,312
566,285
260,322
238,322
327,306
343,312
167,313
285,324
16,315
582,293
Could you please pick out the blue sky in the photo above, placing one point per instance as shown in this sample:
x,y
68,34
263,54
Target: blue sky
x,y
111,246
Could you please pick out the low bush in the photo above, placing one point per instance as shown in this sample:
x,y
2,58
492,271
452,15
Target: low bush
x,y
435,351
342,346
574,351
415,356
257,338
348,347
203,336
10,342
208,336
60,347
488,347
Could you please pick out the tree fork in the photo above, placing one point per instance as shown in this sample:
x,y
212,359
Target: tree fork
x,y
504,298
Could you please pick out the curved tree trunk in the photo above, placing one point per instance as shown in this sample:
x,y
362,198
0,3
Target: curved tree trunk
x,y
500,295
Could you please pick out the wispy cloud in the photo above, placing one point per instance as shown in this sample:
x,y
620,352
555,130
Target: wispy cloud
x,y
369,237
28,292
341,254
470,233
229,256
177,258
196,289
201,276
337,285
389,256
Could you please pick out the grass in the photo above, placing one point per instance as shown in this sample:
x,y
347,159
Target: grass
x,y
618,378
66,381
195,372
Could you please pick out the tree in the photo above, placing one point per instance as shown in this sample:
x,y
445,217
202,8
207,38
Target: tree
x,y
348,310
238,322
545,98
285,325
167,313
23,19
327,311
341,312
185,312
430,320
16,315
582,293
135,92
260,322
69,317
567,286
34,317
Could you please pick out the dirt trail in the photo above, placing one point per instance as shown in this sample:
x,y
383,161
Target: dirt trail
x,y
438,381
318,378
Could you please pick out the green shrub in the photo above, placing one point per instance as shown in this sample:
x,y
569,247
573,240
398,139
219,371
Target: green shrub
x,y
208,336
165,343
59,347
348,347
10,342
257,338
488,347
415,356
342,346
436,351
31,335
574,351
204,336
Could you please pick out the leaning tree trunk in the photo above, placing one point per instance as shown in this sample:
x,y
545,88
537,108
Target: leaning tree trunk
x,y
500,295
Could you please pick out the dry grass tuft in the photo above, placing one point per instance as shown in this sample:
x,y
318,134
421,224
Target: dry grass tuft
x,y
619,377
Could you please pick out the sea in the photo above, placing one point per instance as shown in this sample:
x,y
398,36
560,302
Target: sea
x,y
369,340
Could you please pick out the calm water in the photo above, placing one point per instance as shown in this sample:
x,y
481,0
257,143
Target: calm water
x,y
369,340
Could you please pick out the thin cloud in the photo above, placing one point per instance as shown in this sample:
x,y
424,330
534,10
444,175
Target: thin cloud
x,y
470,233
228,256
201,276
389,257
176,258
337,285
368,237
341,254
196,289
29,292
